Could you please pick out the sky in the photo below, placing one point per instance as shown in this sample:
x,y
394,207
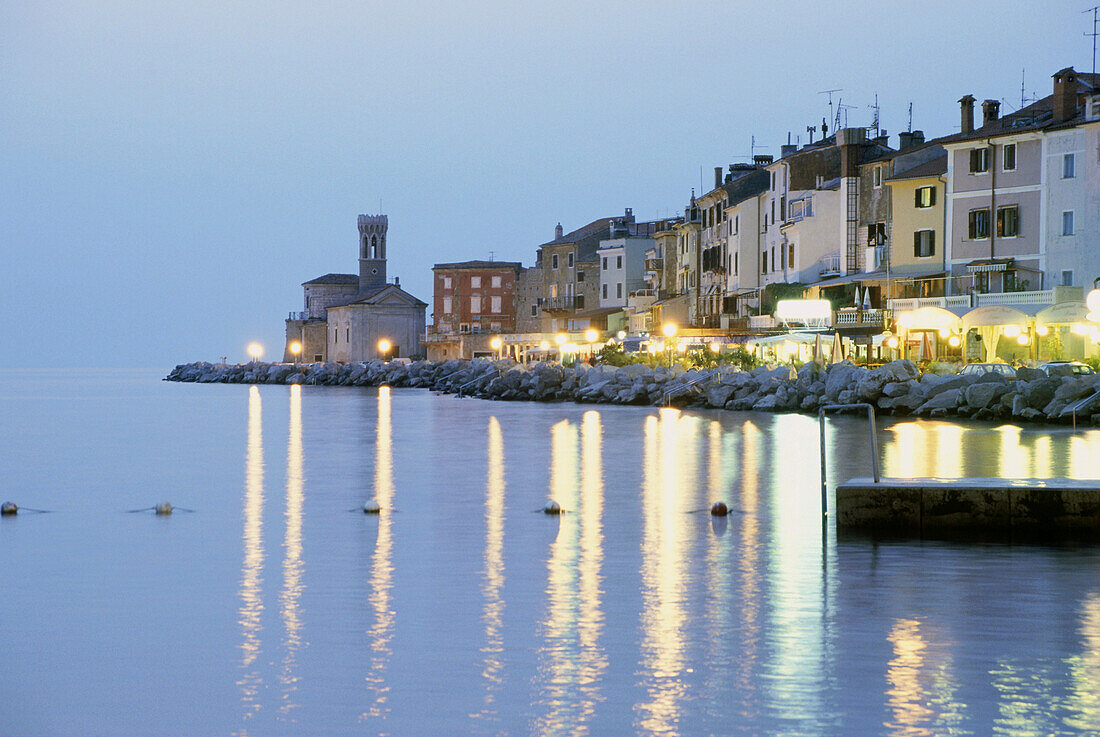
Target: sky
x,y
172,172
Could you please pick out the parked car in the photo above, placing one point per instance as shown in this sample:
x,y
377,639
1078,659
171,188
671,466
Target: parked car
x,y
1066,368
977,369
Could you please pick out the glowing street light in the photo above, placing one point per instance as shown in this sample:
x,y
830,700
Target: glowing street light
x,y
384,346
621,335
953,341
591,336
495,343
669,329
255,350
296,350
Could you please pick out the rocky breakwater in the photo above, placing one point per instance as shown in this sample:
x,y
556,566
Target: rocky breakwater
x,y
896,388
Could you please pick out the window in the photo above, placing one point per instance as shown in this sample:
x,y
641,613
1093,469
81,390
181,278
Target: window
x,y
783,208
336,335
876,234
446,305
735,264
605,291
446,282
1067,278
580,276
554,261
578,302
347,335
605,263
494,304
1008,157
926,196
618,262
475,282
475,305
924,243
773,210
790,256
979,224
619,290
1067,166
534,310
979,160
1067,222
569,258
736,218
764,263
1008,221
775,264
495,282
876,176
553,291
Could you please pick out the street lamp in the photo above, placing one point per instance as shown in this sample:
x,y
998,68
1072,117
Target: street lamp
x,y
495,344
560,339
590,337
255,350
296,350
669,329
384,346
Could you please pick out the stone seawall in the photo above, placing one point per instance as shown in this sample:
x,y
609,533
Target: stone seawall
x,y
896,388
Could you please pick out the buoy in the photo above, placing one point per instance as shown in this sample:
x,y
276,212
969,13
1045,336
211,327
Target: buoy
x,y
719,509
372,507
8,508
163,508
552,507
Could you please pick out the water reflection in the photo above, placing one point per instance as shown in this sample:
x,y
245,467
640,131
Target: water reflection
x,y
669,471
921,687
251,593
292,550
1084,671
722,463
381,578
749,567
571,660
1084,455
492,616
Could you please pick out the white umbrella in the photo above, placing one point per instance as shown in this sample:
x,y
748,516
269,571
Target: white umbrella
x,y
817,348
866,299
857,295
838,349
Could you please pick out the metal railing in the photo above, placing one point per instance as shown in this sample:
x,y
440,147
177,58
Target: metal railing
x,y
874,445
668,395
298,316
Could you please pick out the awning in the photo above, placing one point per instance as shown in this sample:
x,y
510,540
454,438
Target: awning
x,y
989,264
769,340
929,318
995,316
1063,313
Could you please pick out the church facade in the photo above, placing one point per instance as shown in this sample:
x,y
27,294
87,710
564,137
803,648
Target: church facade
x,y
358,317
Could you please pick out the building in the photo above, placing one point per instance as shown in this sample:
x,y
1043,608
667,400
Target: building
x,y
351,317
475,296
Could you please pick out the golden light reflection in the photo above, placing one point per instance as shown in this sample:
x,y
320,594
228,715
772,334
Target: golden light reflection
x,y
1084,455
1013,462
1084,672
904,693
251,594
722,463
593,661
749,567
925,449
669,471
292,548
493,584
1043,460
381,578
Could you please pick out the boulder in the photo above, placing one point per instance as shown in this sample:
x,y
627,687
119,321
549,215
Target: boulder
x,y
946,385
719,394
982,394
896,388
1029,374
1040,392
948,399
838,377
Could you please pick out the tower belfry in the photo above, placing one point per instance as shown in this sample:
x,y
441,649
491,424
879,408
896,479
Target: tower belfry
x,y
372,251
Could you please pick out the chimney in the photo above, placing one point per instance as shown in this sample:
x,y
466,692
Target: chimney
x,y
717,177
786,150
882,139
850,141
397,281
918,138
905,140
966,107
558,232
990,112
1065,95
761,160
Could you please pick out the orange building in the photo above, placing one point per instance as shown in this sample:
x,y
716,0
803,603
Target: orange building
x,y
475,297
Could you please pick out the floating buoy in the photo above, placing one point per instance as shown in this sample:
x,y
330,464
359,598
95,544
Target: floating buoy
x,y
8,508
552,507
719,509
163,508
372,507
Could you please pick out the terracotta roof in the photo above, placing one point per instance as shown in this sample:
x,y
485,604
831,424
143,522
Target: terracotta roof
x,y
515,265
344,279
371,296
932,168
601,225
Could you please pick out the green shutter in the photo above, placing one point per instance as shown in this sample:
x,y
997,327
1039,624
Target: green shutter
x,y
916,244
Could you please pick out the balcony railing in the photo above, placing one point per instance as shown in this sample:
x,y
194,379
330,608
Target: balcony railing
x,y
830,265
654,264
562,304
298,316
860,317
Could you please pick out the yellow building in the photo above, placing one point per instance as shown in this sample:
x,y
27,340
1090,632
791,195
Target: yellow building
x,y
917,245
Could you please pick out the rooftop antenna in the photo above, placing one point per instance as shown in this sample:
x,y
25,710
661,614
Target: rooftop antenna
x,y
830,94
1094,34
874,119
492,255
910,116
842,108
811,129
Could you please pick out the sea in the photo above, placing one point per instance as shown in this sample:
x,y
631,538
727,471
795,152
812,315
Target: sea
x,y
269,603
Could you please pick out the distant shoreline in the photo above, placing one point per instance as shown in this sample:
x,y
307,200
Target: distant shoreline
x,y
897,388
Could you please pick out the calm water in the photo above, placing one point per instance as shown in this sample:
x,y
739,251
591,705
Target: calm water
x,y
273,609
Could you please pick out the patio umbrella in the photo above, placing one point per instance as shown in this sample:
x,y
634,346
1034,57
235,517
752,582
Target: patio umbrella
x,y
817,348
866,299
926,347
838,349
857,296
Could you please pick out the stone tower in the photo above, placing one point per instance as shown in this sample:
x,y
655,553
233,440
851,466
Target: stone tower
x,y
372,251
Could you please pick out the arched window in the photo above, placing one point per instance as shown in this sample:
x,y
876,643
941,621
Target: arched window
x,y
374,246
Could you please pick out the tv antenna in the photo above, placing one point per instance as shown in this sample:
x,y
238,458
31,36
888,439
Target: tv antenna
x,y
841,108
811,129
874,119
910,117
1094,34
830,94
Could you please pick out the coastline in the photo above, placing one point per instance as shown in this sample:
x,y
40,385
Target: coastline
x,y
897,388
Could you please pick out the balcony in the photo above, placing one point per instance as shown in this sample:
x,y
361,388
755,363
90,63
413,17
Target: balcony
x,y
653,265
562,304
298,316
860,318
830,265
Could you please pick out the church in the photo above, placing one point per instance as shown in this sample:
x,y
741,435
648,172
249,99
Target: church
x,y
357,317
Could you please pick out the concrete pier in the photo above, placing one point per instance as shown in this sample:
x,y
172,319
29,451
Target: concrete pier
x,y
1045,508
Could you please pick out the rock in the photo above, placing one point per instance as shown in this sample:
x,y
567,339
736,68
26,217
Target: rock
x,y
718,395
896,389
1072,389
848,396
981,394
1039,393
945,385
1029,413
1029,374
1087,408
948,399
837,379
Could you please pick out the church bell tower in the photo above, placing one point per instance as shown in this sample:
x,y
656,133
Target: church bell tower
x,y
372,251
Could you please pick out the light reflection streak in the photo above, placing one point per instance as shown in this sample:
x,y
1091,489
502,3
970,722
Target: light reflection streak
x,y
749,567
924,449
669,470
292,545
1084,671
251,593
1013,461
381,578
721,470
593,661
1084,455
493,584
904,691
559,656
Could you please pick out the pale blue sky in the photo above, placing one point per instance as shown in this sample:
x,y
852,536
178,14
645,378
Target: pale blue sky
x,y
173,172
